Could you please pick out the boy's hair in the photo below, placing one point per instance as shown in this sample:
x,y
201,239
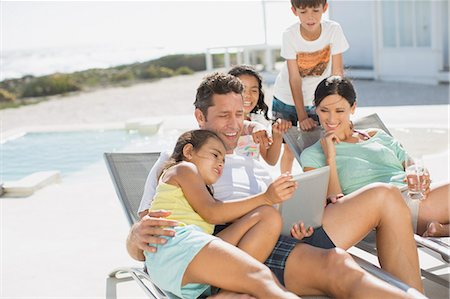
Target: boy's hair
x,y
239,70
335,85
215,83
307,3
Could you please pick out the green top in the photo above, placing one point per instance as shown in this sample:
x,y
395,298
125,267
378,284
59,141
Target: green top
x,y
378,159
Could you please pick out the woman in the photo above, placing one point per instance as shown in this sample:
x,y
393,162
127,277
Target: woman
x,y
358,158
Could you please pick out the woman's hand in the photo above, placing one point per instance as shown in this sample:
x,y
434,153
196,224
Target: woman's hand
x,y
281,189
328,141
299,232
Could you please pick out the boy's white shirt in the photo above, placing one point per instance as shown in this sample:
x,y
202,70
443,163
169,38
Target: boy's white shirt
x,y
294,43
242,177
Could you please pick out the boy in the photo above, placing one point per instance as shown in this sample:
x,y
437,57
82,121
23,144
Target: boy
x,y
313,51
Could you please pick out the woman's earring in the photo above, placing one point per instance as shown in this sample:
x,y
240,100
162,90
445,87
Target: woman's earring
x,y
351,125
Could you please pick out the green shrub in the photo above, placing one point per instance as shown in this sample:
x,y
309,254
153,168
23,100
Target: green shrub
x,y
6,96
123,75
184,70
165,72
154,72
49,85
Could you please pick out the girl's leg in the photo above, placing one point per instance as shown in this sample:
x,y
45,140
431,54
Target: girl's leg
x,y
255,233
287,159
435,208
379,206
227,267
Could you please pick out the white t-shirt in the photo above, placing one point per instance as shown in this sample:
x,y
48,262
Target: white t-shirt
x,y
313,59
242,177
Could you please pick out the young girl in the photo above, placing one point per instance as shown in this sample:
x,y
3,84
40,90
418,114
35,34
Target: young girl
x,y
359,158
194,259
256,111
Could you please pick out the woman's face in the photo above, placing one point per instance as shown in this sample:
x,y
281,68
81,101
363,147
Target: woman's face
x,y
334,113
251,92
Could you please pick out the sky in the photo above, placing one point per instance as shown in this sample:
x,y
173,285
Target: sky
x,y
172,24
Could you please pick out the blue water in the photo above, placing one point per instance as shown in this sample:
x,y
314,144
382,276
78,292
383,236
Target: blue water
x,y
69,151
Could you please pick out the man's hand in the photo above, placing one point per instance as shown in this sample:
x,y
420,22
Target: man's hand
x,y
149,229
307,124
299,232
281,189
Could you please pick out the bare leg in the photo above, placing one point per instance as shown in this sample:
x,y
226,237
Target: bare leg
x,y
435,208
286,160
225,266
379,206
314,271
255,233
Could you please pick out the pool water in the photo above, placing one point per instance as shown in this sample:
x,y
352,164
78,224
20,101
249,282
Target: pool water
x,y
69,152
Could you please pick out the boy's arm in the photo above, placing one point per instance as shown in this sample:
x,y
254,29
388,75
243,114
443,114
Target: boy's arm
x,y
295,82
337,65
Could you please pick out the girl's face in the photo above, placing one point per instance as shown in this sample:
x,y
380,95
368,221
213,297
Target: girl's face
x,y
209,160
334,113
251,92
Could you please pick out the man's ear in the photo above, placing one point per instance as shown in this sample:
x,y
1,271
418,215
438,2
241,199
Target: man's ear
x,y
187,151
353,108
200,117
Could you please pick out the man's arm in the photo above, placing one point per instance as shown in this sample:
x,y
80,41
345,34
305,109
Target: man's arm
x,y
148,231
337,65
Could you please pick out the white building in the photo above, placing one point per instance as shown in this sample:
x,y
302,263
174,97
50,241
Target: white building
x,y
396,40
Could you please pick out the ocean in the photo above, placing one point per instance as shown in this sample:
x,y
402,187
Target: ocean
x,y
38,62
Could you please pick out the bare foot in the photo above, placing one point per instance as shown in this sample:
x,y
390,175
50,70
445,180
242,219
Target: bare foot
x,y
230,295
435,229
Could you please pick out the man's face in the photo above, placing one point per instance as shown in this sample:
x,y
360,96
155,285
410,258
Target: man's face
x,y
226,118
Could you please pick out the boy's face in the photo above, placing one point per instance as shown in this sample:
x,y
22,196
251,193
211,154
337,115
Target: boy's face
x,y
310,17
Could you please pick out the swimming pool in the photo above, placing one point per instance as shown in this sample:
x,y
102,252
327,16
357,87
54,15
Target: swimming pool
x,y
69,152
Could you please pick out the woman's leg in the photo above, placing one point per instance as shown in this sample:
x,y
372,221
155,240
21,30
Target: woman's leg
x,y
225,266
379,206
435,208
287,159
255,233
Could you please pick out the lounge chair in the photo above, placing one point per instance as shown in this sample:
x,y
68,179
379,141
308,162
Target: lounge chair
x,y
129,172
299,140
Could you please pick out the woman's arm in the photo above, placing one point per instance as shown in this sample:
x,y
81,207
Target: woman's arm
x,y
215,211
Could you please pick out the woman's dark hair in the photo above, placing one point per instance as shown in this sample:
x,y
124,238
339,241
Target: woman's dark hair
x,y
335,85
197,138
239,70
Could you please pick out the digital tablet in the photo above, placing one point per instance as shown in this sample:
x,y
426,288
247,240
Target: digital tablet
x,y
308,202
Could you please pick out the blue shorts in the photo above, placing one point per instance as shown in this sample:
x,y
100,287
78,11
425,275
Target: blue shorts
x,y
277,259
288,112
167,265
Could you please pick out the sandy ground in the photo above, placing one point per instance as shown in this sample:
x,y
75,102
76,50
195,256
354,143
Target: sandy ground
x,y
64,240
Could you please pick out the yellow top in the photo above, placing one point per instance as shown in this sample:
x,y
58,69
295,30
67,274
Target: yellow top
x,y
170,197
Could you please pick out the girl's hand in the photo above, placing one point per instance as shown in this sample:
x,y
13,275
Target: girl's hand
x,y
299,232
328,141
280,126
261,137
307,124
281,189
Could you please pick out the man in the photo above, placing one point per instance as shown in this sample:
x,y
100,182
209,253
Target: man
x,y
301,266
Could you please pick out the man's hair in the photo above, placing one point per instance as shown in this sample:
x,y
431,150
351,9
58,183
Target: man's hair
x,y
307,3
215,83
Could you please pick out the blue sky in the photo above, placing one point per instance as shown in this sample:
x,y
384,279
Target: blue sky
x,y
179,25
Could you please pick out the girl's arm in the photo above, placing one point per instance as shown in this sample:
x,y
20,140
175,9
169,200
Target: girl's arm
x,y
215,211
272,153
337,65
